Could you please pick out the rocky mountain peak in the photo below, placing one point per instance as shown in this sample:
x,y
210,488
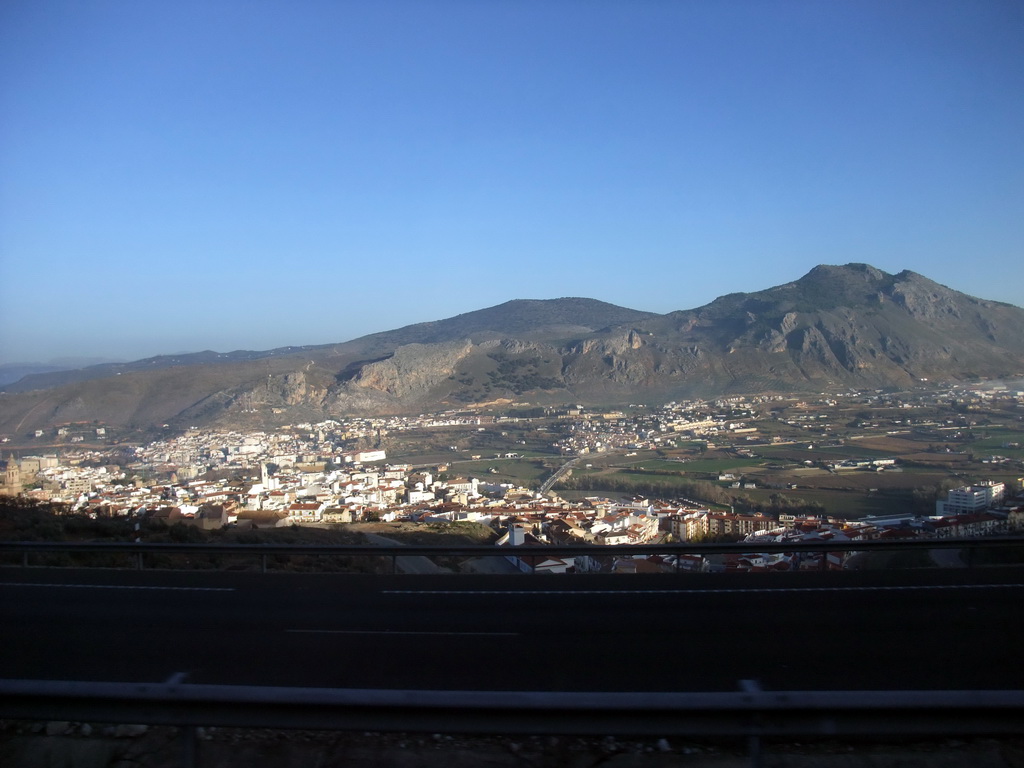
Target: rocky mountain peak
x,y
854,273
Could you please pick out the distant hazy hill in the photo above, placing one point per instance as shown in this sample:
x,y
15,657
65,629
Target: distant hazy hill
x,y
48,377
836,327
12,372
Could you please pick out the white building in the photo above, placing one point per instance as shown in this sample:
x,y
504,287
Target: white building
x,y
363,457
971,499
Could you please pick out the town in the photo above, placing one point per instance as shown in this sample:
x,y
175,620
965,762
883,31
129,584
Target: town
x,y
725,470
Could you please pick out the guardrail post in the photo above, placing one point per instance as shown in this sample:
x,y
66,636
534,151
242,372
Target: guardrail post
x,y
755,750
24,559
138,561
189,747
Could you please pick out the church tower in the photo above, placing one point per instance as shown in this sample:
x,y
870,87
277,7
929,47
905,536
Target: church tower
x,y
12,476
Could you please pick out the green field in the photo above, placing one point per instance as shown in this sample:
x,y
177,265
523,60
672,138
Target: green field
x,y
800,454
994,442
856,480
850,505
526,472
699,466
611,476
849,495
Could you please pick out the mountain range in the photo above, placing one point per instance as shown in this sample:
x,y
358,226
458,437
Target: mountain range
x,y
836,327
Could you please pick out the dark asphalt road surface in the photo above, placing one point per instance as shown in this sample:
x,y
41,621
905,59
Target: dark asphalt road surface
x,y
693,632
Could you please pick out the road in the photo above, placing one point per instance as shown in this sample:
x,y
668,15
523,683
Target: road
x,y
691,632
558,474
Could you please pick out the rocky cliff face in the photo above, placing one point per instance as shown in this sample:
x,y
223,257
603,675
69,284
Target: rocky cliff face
x,y
409,377
837,326
858,324
849,326
414,369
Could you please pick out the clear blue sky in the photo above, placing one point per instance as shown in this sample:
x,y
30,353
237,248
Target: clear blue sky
x,y
245,174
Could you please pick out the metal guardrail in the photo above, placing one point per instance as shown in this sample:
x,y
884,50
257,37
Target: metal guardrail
x,y
139,550
482,550
750,712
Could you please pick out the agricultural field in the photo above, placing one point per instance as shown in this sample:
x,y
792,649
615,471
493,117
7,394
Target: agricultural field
x,y
995,442
853,480
935,446
778,471
897,444
850,494
800,452
444,444
699,466
527,472
847,504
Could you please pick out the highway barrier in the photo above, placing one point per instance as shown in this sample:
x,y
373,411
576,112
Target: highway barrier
x,y
748,712
975,551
